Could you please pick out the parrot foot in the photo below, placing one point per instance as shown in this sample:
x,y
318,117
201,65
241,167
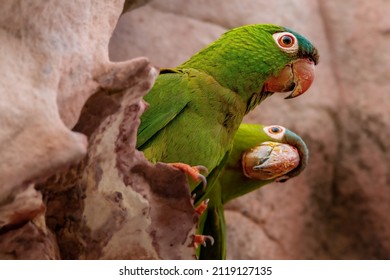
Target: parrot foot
x,y
192,171
201,240
202,207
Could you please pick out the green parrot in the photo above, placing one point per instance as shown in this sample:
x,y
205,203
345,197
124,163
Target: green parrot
x,y
195,109
260,155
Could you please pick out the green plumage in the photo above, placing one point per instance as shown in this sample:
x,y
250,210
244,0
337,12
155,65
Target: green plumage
x,y
182,126
232,183
196,108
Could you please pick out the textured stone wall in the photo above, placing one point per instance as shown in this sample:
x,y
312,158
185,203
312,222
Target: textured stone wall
x,y
72,185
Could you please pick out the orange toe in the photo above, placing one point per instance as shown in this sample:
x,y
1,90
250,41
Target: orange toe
x,y
202,207
201,240
192,171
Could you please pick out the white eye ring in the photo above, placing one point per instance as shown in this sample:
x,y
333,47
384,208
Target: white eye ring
x,y
286,41
276,132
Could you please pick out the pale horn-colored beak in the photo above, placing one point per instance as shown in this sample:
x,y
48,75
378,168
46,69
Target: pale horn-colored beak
x,y
269,160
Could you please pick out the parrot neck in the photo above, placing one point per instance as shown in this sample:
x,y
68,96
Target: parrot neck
x,y
229,189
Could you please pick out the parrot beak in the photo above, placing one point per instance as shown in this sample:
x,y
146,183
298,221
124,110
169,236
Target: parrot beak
x,y
296,77
303,72
269,160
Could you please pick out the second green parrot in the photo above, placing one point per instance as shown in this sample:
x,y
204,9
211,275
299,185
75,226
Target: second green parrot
x,y
260,155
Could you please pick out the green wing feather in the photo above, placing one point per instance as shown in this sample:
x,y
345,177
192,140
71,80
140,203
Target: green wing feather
x,y
170,104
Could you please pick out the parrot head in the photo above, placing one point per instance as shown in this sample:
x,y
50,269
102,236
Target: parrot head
x,y
282,156
258,60
297,75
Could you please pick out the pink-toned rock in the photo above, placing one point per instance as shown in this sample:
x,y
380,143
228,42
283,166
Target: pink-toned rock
x,y
31,241
359,220
233,13
115,204
54,56
140,34
111,205
23,207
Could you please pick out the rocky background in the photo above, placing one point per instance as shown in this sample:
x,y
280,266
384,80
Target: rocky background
x,y
60,72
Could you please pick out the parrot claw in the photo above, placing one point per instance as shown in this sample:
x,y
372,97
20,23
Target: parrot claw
x,y
202,168
201,240
201,177
193,171
202,206
204,180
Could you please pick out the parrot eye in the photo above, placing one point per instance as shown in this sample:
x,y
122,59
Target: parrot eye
x,y
286,41
276,132
274,129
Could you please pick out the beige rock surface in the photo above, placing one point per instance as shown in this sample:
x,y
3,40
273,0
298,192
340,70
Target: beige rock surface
x,y
32,241
111,205
361,195
48,72
133,36
337,208
118,205
42,47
